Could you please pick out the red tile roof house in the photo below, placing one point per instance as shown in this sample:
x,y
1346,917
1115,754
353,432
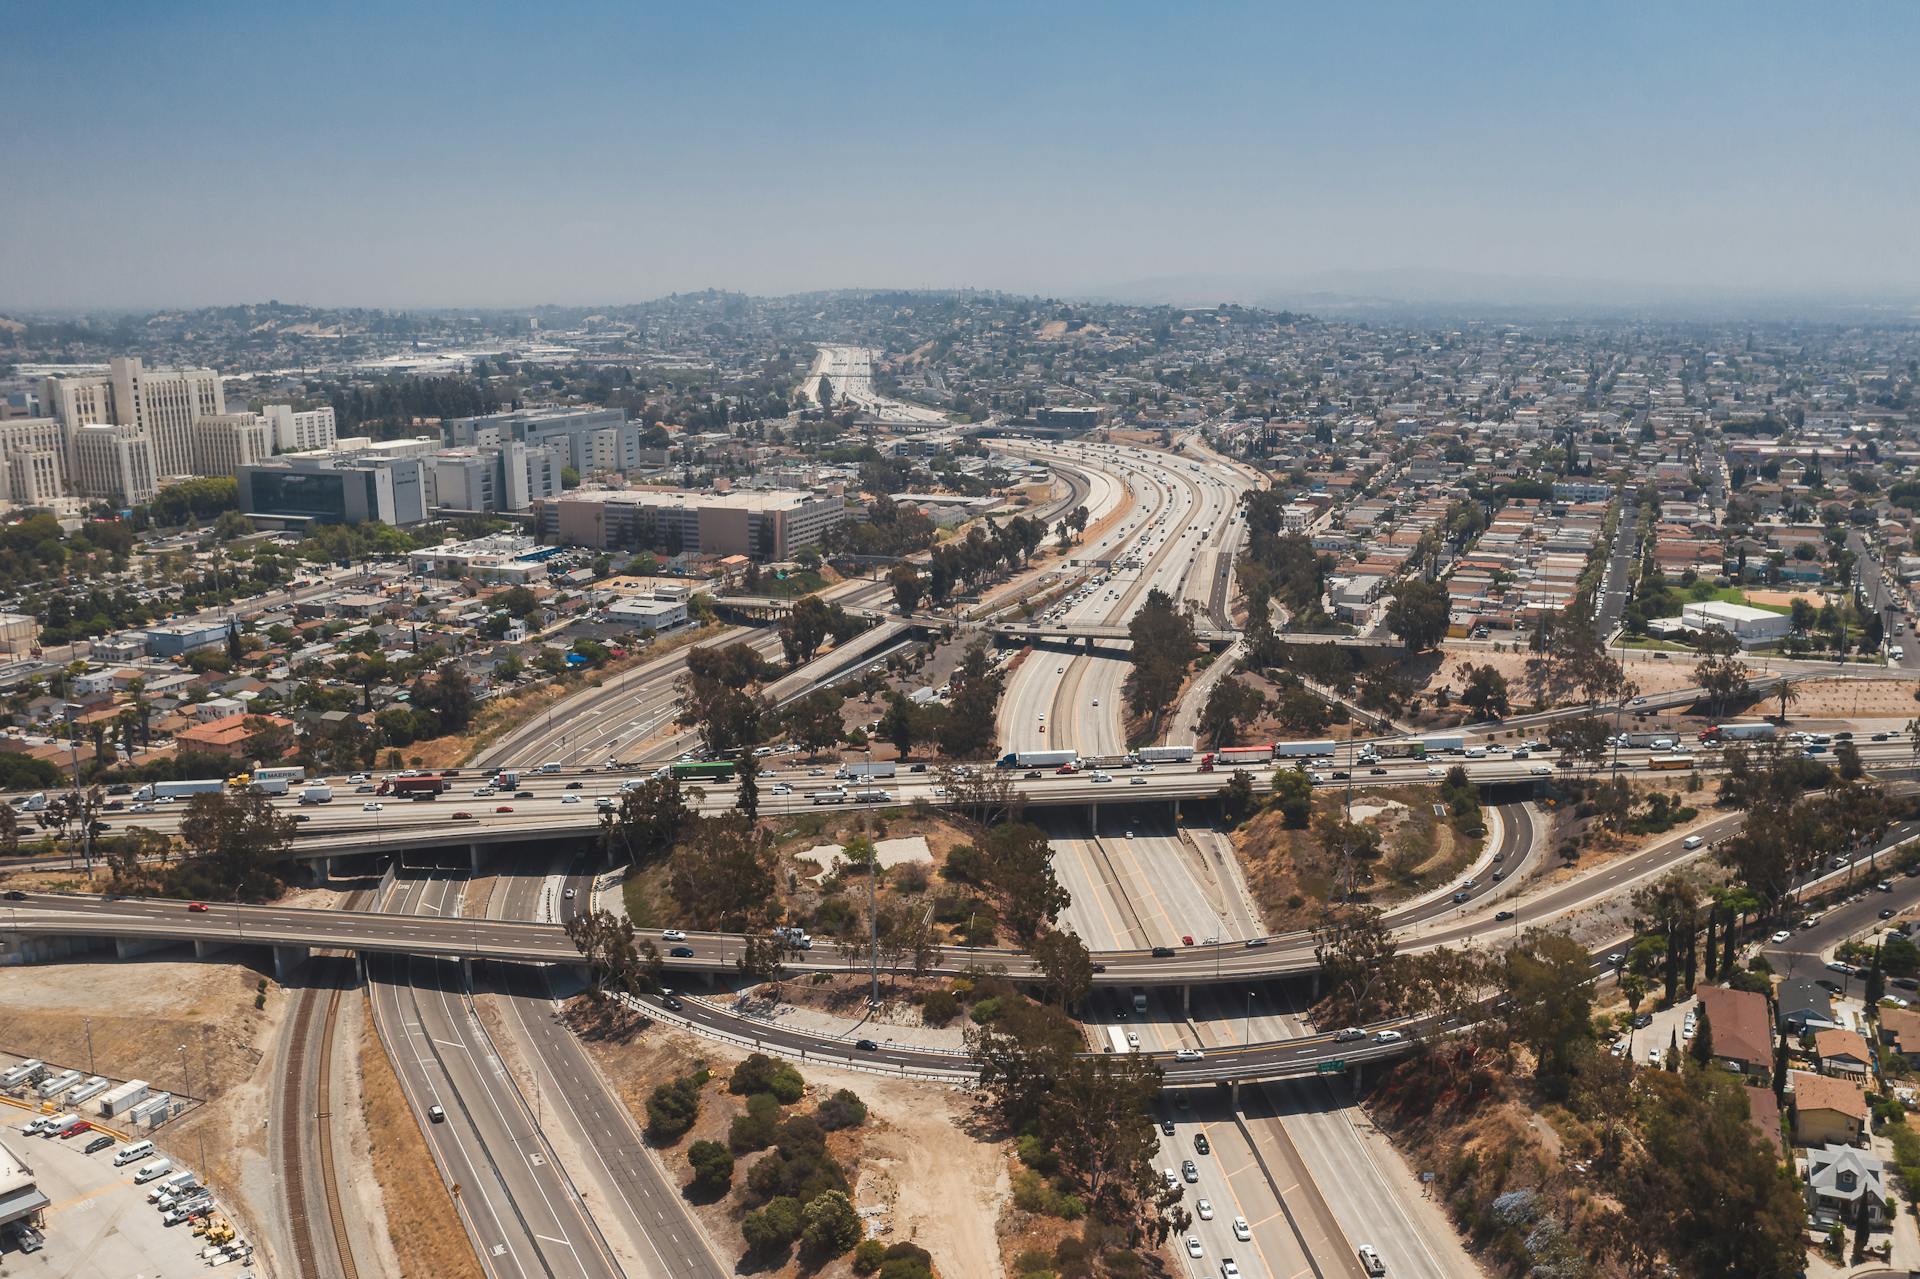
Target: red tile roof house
x,y
1742,1031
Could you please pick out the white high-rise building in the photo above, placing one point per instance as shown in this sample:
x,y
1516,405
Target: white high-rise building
x,y
164,403
33,460
225,442
115,461
299,431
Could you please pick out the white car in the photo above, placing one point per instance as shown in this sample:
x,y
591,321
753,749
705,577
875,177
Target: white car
x,y
1785,934
1653,1056
1433,770
1228,1270
1189,1054
1387,1036
1204,1210
371,807
1103,777
1096,701
570,798
1241,1230
1193,1247
673,934
782,788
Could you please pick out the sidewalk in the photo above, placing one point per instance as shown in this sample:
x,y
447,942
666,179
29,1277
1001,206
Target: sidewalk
x,y
756,1008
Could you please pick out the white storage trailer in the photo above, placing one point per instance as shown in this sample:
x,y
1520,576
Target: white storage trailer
x,y
123,1098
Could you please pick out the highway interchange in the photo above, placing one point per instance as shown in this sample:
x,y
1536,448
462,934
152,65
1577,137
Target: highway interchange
x,y
1294,1162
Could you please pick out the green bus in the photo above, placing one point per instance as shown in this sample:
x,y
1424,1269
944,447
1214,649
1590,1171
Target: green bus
x,y
719,770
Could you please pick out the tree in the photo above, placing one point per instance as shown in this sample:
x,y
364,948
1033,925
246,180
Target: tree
x,y
1356,952
1229,705
1067,966
814,721
1587,739
909,588
1702,1045
1293,796
712,1165
1418,613
773,1228
1549,1003
1847,756
9,828
1486,691
897,723
235,837
672,1109
1019,866
829,1227
1237,800
722,875
650,820
1722,675
747,792
1163,647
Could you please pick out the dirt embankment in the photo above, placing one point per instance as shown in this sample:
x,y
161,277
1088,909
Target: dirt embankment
x,y
422,1223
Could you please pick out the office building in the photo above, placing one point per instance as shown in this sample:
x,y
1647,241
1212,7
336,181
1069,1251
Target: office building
x,y
163,403
769,525
33,460
116,462
225,442
591,441
1750,626
335,489
509,477
300,430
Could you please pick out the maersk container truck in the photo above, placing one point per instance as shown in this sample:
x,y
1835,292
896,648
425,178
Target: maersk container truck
x,y
1038,759
1163,755
180,790
1752,731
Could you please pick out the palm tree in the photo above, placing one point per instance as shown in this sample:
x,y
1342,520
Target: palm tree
x,y
1788,695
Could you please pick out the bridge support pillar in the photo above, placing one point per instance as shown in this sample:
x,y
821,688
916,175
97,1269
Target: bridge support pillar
x,y
203,947
322,869
474,856
288,958
1316,985
128,947
1094,809
1186,1001
1233,1094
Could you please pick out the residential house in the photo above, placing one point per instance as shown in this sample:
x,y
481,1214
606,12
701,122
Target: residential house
x,y
1827,1110
1763,1111
233,736
1742,1031
1804,1006
1900,1032
1838,1178
1843,1052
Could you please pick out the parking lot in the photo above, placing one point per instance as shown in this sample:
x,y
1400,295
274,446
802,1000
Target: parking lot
x,y
99,1225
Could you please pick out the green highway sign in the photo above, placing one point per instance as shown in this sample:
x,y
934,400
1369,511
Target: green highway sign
x,y
1331,1068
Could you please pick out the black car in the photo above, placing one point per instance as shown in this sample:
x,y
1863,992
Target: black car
x,y
1906,983
1502,917
918,768
1163,952
575,785
1341,775
98,1144
1099,968
671,1000
1032,773
523,794
1886,914
298,817
119,788
1642,1021
15,895
1166,1127
1200,1143
866,1045
1377,771
681,952
1831,987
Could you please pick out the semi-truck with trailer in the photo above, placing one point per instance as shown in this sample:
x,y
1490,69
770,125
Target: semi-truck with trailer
x,y
180,790
831,795
414,784
1749,731
1401,748
1039,759
873,795
261,778
1231,756
866,772
1117,1040
1163,755
507,779
1449,743
1303,750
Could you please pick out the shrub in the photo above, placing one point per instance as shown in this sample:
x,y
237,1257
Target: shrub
x,y
755,1129
771,1229
868,1256
939,1007
986,1010
830,1226
760,1073
842,1110
672,1109
1035,1154
907,1261
911,877
712,1168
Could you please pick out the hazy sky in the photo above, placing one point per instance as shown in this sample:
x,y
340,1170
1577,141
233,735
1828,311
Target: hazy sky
x,y
471,154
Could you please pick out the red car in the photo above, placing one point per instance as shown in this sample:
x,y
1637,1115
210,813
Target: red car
x,y
75,1128
1064,768
504,808
196,905
1186,941
463,816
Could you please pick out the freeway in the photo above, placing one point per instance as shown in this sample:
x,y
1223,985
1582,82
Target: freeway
x,y
521,1212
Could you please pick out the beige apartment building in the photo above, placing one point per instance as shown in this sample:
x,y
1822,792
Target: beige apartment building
x,y
225,442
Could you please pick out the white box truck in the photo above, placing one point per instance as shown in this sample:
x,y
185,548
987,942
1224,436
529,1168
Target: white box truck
x,y
317,795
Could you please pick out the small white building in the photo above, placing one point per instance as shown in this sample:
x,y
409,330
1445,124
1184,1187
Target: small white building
x,y
1751,626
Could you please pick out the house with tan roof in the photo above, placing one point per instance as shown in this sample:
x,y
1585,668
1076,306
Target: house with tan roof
x,y
1827,1110
1900,1032
1742,1031
1842,1052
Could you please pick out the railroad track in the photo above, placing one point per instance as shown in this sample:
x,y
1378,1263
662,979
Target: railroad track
x,y
308,1134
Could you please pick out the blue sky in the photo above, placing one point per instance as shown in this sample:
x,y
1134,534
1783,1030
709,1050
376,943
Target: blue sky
x,y
477,154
